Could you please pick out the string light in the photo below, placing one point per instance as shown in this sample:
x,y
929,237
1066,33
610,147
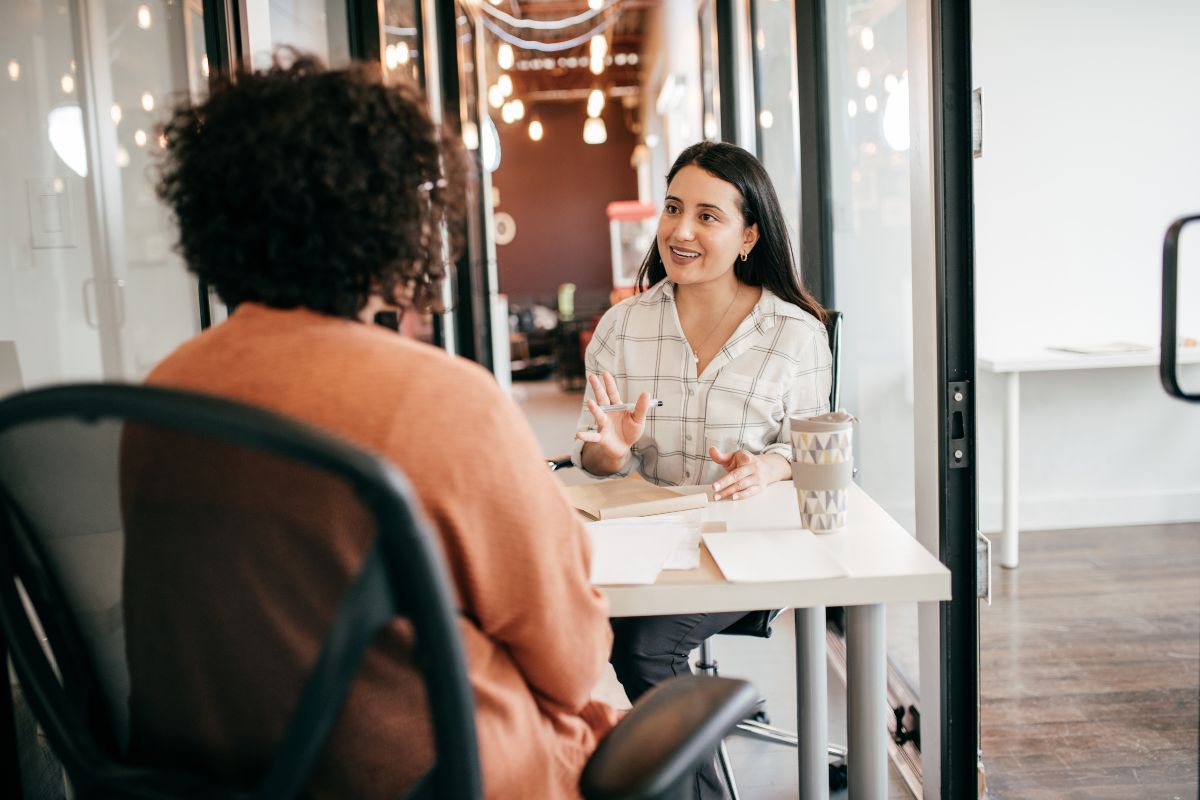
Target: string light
x,y
535,130
143,17
765,118
871,104
403,54
504,56
518,109
14,70
115,113
147,101
67,83
495,96
139,137
506,85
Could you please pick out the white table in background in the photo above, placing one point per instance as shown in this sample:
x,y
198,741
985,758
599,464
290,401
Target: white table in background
x,y
883,564
1011,365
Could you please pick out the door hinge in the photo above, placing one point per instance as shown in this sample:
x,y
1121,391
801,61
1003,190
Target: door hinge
x,y
959,405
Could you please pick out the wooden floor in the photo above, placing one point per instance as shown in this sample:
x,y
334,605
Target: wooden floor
x,y
1090,666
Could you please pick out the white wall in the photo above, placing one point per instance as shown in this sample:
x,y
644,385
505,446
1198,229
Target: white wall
x,y
1091,117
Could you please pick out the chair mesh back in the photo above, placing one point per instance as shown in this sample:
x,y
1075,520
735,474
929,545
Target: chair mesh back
x,y
199,579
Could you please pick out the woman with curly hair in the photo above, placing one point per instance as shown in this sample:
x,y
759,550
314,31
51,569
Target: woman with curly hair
x,y
310,199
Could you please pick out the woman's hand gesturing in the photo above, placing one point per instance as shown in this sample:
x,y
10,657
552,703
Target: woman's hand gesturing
x,y
607,447
747,473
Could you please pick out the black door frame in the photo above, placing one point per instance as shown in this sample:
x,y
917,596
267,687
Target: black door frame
x,y
953,212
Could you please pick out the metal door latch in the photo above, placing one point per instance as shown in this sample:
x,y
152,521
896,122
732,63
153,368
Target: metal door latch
x,y
983,567
958,406
908,726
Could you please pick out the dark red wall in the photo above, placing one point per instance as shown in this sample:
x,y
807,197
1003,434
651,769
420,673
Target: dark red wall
x,y
556,191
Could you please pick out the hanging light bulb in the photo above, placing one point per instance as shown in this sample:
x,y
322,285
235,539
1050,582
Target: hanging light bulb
x,y
518,109
765,118
139,137
595,103
67,83
598,49
535,130
504,56
595,5
495,96
147,101
470,135
402,53
594,131
14,70
870,104
863,77
389,56
115,113
506,85
143,17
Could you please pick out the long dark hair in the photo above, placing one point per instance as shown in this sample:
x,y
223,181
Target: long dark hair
x,y
770,262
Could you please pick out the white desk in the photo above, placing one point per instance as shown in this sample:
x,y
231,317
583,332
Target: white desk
x,y
1011,365
883,564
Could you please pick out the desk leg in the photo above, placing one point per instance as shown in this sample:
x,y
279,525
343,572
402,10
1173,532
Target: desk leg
x,y
812,698
1012,454
866,701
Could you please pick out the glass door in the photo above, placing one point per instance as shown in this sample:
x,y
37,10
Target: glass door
x,y
93,289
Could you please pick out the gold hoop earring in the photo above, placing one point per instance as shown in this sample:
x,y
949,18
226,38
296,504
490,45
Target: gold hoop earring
x,y
744,256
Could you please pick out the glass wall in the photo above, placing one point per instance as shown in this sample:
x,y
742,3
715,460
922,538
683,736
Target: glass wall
x,y
869,175
401,39
314,26
774,32
89,285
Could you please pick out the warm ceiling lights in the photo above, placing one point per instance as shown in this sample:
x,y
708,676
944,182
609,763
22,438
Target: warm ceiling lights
x,y
495,96
402,53
506,85
115,113
595,103
867,39
535,130
870,104
863,77
139,137
504,56
594,131
14,70
143,17
67,83
147,101
598,49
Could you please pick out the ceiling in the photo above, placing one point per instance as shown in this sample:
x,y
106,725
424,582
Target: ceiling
x,y
540,76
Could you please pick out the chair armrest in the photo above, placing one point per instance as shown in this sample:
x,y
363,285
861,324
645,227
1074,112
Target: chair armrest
x,y
666,737
555,463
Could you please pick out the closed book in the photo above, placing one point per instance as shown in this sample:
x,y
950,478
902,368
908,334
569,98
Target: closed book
x,y
630,497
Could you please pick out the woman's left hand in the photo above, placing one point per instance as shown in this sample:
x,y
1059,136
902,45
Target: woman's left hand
x,y
747,473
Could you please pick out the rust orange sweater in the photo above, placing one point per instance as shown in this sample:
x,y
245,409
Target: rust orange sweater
x,y
535,632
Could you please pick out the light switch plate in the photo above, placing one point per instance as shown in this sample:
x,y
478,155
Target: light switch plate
x,y
50,219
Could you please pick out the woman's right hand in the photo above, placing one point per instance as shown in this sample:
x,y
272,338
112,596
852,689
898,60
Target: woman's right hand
x,y
616,431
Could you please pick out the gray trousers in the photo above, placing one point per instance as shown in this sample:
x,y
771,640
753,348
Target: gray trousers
x,y
649,650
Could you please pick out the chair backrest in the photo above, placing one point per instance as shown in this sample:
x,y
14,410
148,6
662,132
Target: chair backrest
x,y
126,510
834,326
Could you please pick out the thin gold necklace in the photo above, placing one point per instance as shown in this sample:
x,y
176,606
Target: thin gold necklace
x,y
696,350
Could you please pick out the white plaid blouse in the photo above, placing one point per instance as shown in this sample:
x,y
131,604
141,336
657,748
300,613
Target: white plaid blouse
x,y
776,364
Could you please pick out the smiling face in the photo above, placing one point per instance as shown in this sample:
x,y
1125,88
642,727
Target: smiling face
x,y
701,233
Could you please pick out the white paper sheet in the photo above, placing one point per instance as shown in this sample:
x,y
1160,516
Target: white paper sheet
x,y
630,554
686,527
768,556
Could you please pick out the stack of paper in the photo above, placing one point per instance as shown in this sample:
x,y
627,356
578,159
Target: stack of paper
x,y
630,497
769,556
635,551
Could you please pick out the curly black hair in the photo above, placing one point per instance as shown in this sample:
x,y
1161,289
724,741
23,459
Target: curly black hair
x,y
303,186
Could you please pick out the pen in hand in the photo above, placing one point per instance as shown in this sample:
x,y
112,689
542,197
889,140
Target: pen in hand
x,y
629,406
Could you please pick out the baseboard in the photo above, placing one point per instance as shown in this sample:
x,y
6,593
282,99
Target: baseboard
x,y
1112,509
1061,512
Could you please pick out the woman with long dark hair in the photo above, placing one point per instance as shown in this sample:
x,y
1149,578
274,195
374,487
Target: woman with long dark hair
x,y
727,337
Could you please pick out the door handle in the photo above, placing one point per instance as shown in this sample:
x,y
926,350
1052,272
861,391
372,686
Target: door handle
x,y
1170,300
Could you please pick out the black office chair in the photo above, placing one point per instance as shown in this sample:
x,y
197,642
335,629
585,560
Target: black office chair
x,y
66,540
759,623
